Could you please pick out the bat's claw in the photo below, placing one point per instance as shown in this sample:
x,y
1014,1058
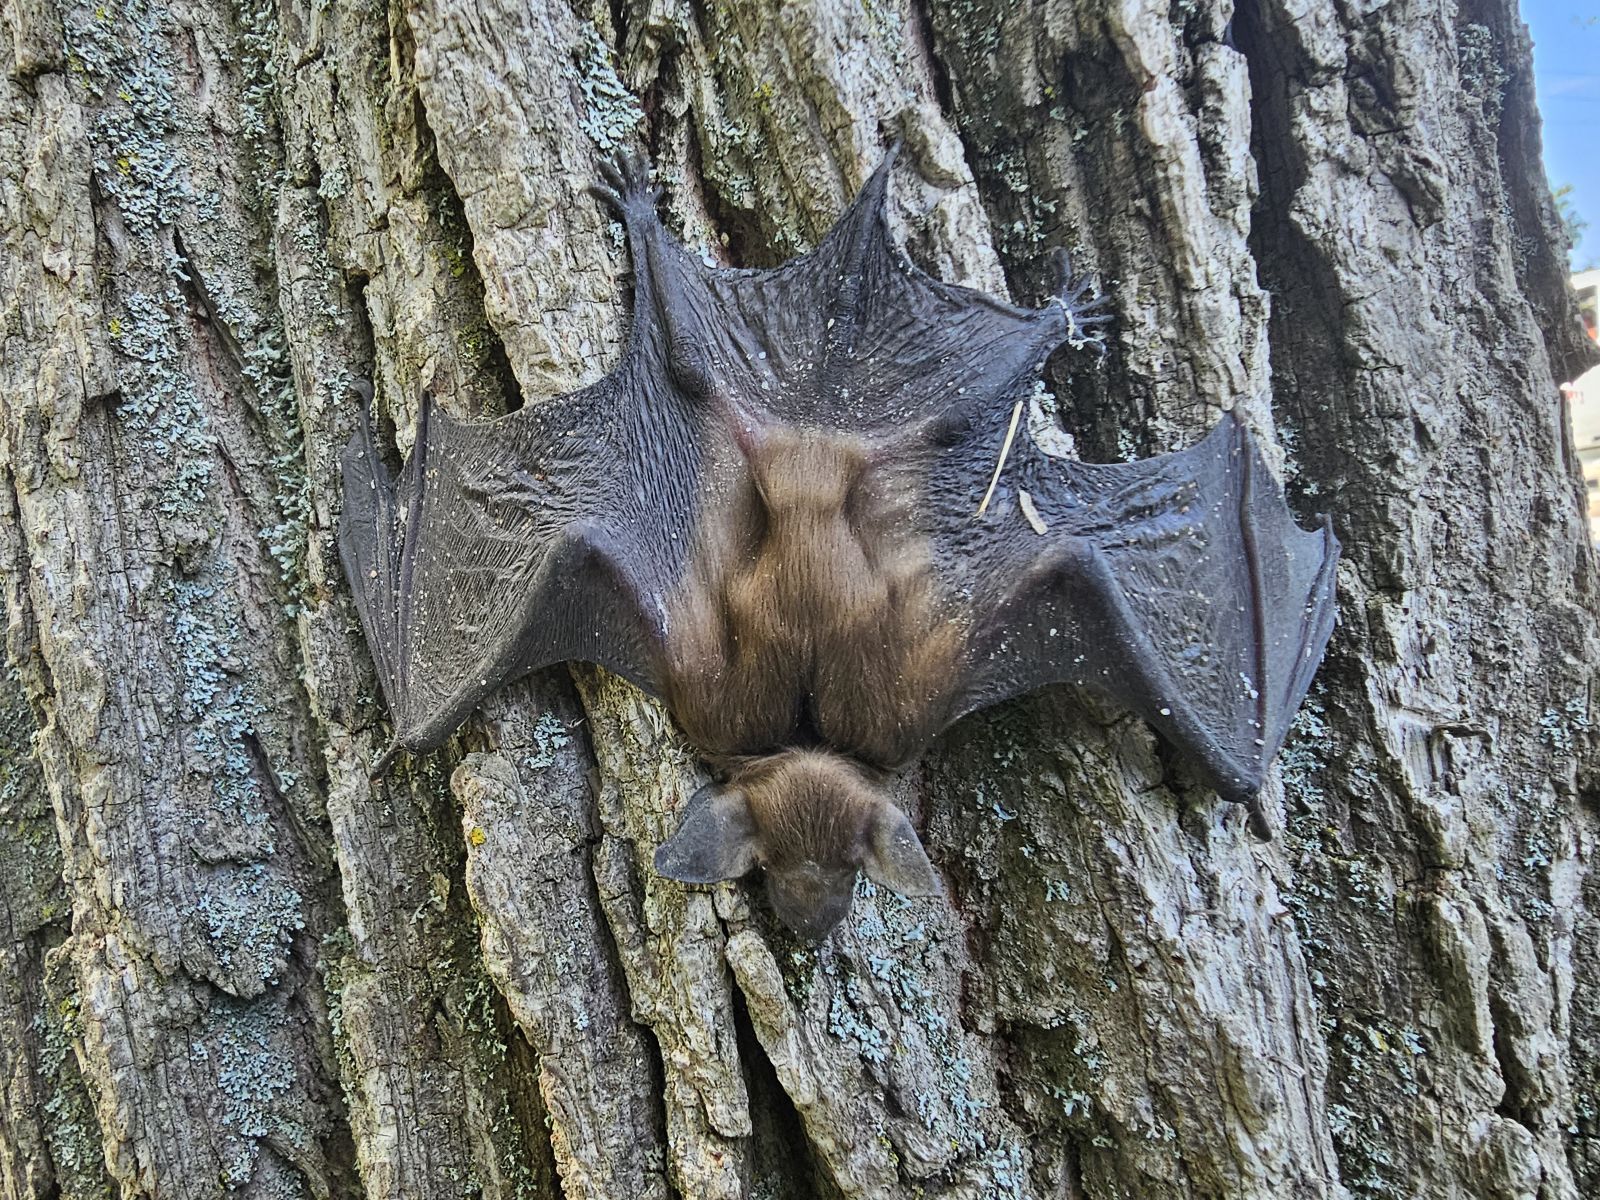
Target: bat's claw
x,y
385,760
609,197
1083,302
627,185
1259,821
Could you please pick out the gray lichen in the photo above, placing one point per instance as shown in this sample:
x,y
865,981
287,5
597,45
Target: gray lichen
x,y
120,53
1483,74
253,1076
611,115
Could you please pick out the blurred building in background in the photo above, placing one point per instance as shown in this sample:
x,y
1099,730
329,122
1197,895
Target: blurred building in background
x,y
1587,285
1583,398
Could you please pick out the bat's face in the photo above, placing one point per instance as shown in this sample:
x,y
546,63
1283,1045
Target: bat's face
x,y
811,898
812,820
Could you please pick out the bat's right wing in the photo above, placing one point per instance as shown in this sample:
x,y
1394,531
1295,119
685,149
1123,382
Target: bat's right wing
x,y
1179,586
504,547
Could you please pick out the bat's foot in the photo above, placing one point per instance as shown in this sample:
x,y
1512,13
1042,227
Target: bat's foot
x,y
627,189
1083,302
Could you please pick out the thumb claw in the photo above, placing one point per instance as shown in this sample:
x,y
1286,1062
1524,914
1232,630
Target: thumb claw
x,y
626,177
385,760
1261,825
1081,300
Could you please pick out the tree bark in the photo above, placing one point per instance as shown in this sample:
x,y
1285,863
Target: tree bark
x,y
237,967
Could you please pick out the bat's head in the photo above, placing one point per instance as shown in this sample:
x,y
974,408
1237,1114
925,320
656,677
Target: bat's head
x,y
811,819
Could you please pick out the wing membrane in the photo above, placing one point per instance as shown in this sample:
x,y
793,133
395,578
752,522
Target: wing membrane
x,y
1179,586
508,546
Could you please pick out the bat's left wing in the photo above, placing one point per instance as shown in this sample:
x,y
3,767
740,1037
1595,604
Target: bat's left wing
x,y
557,533
1179,586
550,535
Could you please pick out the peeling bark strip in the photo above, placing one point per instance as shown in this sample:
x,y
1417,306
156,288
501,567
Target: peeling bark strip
x,y
235,967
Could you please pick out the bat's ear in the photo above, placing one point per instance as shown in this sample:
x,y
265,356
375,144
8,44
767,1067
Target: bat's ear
x,y
716,840
895,857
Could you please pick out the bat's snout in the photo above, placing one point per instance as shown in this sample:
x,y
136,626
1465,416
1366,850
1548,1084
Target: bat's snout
x,y
812,898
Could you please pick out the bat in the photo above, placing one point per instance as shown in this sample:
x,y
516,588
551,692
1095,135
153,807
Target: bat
x,y
797,513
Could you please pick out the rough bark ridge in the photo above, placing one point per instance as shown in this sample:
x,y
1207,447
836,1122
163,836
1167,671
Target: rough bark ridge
x,y
234,966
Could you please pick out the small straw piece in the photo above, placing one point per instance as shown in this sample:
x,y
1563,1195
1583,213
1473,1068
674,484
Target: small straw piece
x,y
1005,452
1031,511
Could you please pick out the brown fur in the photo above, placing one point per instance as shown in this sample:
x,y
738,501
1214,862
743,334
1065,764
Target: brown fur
x,y
809,598
808,806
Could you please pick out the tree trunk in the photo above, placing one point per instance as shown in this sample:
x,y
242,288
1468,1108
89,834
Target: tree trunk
x,y
235,966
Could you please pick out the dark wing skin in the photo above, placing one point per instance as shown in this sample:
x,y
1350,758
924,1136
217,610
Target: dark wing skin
x,y
562,531
1179,586
541,538
853,338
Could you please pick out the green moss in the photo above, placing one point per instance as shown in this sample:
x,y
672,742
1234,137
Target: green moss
x,y
70,1128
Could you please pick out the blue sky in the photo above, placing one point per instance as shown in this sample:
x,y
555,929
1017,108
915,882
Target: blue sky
x,y
1566,70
